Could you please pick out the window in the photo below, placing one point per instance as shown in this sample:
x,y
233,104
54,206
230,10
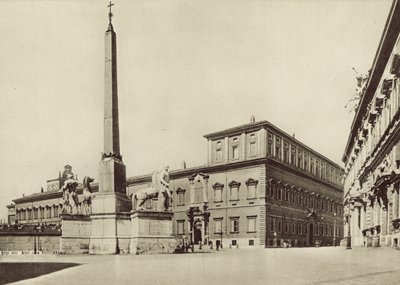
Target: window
x,y
293,227
312,170
251,188
41,213
180,227
294,198
279,225
234,242
317,168
218,192
218,151
279,192
286,226
251,242
218,225
271,189
272,224
55,211
285,152
235,148
306,162
180,196
270,142
328,173
293,155
235,225
300,159
253,146
35,213
235,152
198,191
287,195
251,224
234,190
278,147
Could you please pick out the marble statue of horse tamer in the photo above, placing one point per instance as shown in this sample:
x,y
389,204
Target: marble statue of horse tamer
x,y
159,186
70,197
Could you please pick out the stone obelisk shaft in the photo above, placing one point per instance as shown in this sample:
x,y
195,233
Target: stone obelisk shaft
x,y
112,177
111,124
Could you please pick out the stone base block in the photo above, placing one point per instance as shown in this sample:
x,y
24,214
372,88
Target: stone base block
x,y
103,245
110,233
151,232
152,245
75,234
111,203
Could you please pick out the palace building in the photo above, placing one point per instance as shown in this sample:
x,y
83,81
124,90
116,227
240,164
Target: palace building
x,y
260,187
372,153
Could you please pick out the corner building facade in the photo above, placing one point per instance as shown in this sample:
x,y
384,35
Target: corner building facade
x,y
372,154
260,187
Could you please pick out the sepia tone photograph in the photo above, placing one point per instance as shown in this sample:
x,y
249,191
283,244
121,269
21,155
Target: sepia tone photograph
x,y
192,142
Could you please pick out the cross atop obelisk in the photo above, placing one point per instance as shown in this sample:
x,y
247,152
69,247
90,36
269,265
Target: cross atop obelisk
x,y
110,14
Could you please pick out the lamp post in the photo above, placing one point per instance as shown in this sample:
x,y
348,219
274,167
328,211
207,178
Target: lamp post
x,y
334,229
221,239
348,243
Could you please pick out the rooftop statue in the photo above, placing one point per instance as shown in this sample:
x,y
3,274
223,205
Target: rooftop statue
x,y
159,187
362,80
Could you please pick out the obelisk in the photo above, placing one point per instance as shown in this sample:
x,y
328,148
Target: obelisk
x,y
111,205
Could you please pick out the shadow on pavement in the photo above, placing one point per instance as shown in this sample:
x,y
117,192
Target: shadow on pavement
x,y
16,271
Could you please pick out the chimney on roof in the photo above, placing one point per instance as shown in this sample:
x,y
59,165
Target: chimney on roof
x,y
294,136
252,119
183,165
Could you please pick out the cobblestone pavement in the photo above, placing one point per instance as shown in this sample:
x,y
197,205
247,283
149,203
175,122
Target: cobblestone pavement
x,y
230,266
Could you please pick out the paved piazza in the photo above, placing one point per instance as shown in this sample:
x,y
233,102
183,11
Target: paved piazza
x,y
230,266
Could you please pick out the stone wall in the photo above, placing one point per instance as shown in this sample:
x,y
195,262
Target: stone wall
x,y
46,244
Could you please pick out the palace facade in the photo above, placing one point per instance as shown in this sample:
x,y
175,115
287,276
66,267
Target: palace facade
x,y
372,154
260,187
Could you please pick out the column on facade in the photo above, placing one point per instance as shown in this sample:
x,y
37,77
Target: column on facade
x,y
203,230
362,217
226,149
371,211
244,145
191,189
397,213
205,189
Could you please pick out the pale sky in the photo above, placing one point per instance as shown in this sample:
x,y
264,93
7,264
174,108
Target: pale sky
x,y
185,69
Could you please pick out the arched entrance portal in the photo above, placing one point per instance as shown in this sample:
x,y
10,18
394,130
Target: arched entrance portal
x,y
197,231
311,234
